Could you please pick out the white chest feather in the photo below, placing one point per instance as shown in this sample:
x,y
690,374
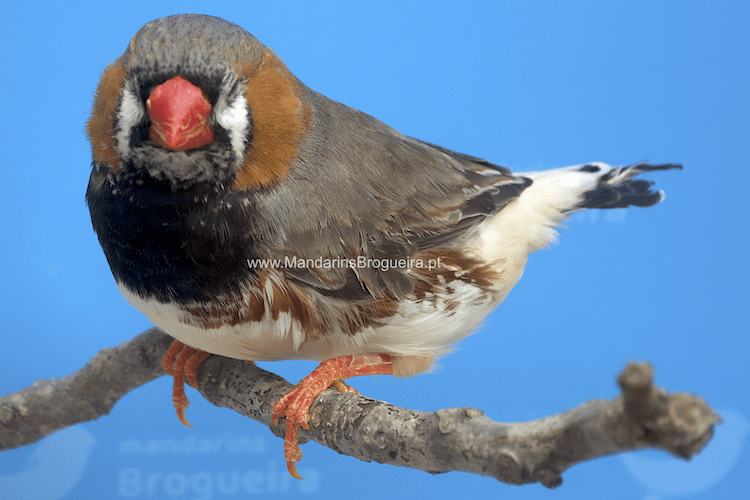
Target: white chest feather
x,y
426,328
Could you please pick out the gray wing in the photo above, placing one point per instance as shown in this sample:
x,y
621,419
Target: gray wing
x,y
372,193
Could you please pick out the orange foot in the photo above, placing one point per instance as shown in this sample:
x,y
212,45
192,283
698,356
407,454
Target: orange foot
x,y
182,362
296,403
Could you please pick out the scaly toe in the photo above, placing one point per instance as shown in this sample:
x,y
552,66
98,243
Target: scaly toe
x,y
191,366
179,400
181,362
292,453
341,386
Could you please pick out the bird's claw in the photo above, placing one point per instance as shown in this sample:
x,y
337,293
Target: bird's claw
x,y
294,406
182,362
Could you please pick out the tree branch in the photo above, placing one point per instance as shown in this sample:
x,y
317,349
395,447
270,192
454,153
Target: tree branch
x,y
463,439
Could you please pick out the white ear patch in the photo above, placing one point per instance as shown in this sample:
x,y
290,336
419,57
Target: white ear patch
x,y
129,114
233,117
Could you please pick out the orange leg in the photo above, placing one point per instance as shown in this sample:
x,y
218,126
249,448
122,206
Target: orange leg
x,y
296,403
182,362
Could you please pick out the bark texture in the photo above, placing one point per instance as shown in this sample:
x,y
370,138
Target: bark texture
x,y
461,439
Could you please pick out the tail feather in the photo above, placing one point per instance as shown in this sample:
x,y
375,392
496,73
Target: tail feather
x,y
617,188
555,194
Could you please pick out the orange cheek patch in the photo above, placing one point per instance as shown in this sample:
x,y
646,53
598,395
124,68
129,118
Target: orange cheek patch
x,y
179,115
280,119
100,127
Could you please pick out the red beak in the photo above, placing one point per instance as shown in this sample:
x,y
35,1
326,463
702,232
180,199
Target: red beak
x,y
179,115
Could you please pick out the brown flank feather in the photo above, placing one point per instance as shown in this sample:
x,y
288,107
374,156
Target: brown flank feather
x,y
320,316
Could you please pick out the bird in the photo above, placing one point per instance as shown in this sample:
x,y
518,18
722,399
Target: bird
x,y
248,216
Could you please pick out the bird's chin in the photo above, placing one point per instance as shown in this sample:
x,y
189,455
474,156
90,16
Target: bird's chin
x,y
213,164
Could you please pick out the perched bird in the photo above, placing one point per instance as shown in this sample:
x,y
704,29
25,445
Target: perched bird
x,y
248,216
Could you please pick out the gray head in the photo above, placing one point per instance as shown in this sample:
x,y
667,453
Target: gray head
x,y
254,103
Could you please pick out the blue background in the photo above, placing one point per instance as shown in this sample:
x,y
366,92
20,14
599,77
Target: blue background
x,y
529,85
